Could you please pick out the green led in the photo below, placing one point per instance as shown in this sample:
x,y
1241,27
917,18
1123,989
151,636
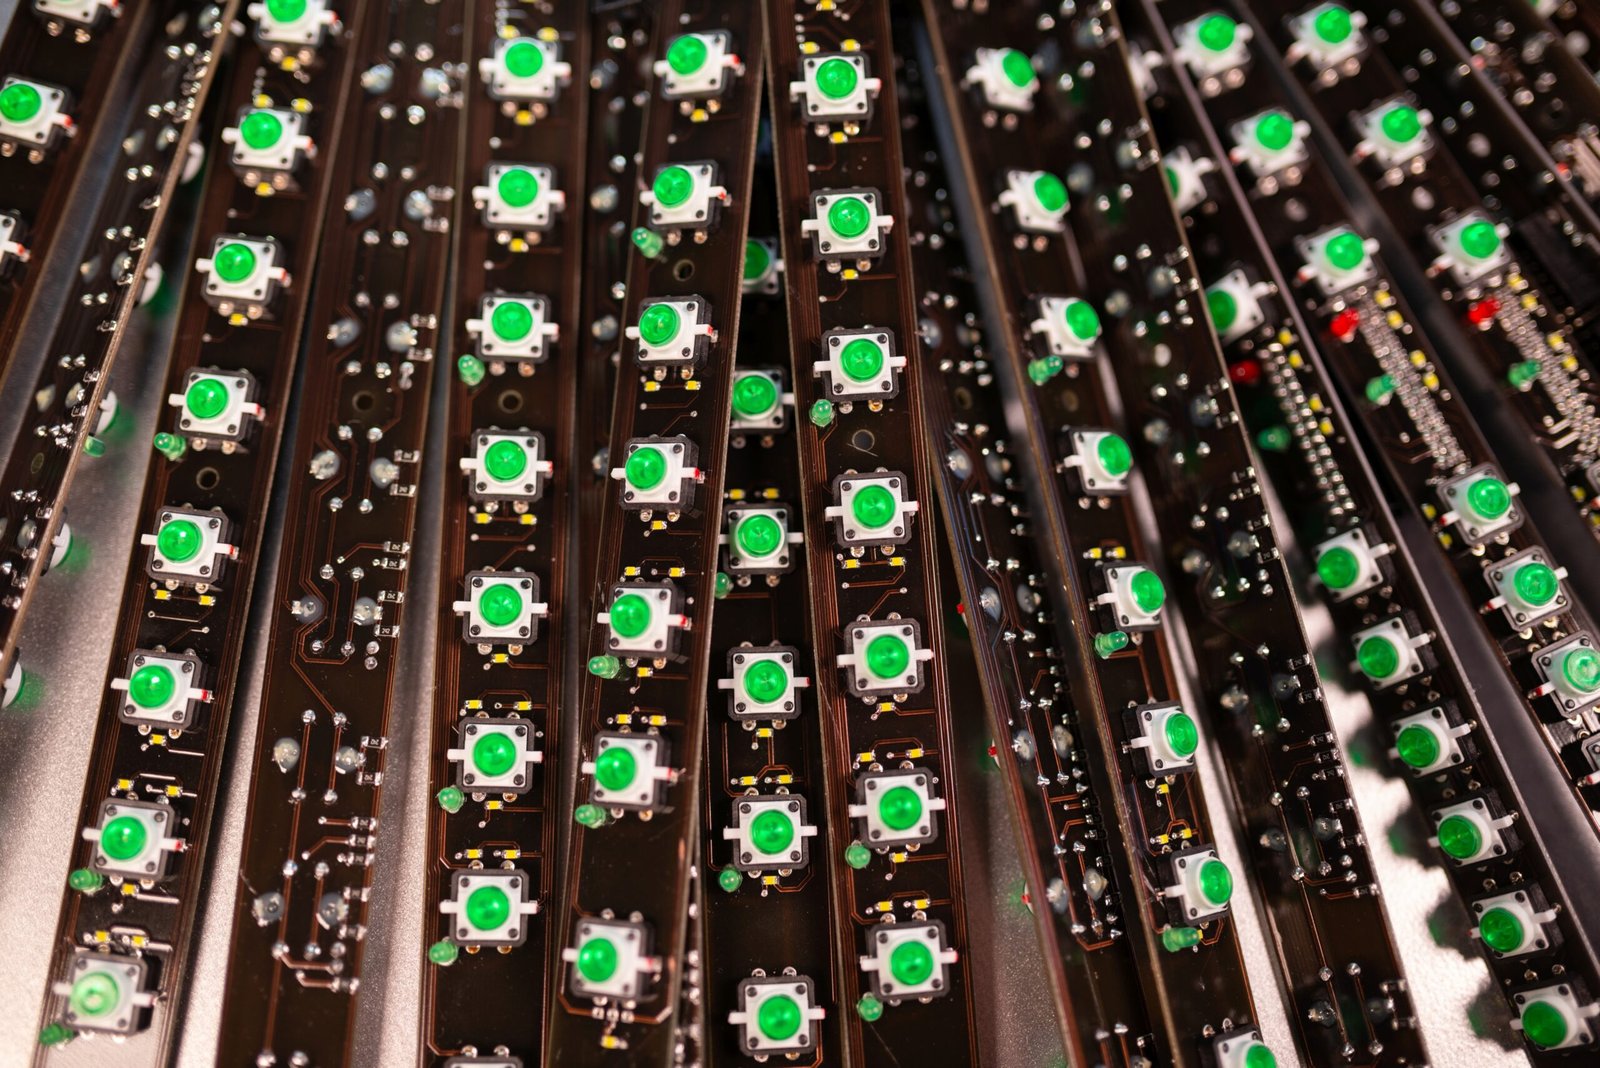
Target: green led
x,y
862,360
659,323
758,535
443,953
1345,250
1216,33
911,963
673,186
757,260
1419,746
849,217
1535,584
1544,1024
124,838
20,102
1274,131
647,242
1082,320
1260,1055
779,1017
754,395
1274,439
85,880
869,1008
179,540
590,816
450,799
95,994
1460,837
500,605
286,10
1580,667
874,507
605,666
1017,68
1523,374
888,656
1147,591
721,586
1224,307
523,59
730,879
821,414
1378,657
1182,736
1339,568
1050,193
765,681
771,832
494,754
900,808
630,615
260,130
505,460
686,54
234,262
207,398
615,768
93,446
1045,368
170,445
1401,123
1110,643
1177,939
1489,498
1479,239
1501,931
470,370
487,908
518,187
152,686
837,78
1215,882
1174,183
1380,389
511,320
1116,459
857,855
645,468
1333,24
597,960
56,1033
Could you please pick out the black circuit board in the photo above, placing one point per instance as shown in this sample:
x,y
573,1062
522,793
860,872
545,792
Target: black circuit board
x,y
1257,676
187,637
1306,441
873,579
768,912
1418,419
502,666
1074,853
1085,520
69,74
312,828
642,714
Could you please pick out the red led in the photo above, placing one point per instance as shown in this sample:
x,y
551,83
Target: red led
x,y
1245,373
1483,312
1345,324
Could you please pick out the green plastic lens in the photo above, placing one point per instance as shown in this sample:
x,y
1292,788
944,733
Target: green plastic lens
x,y
645,468
888,656
771,832
759,535
630,615
1216,882
1274,131
1216,33
180,540
1460,837
494,754
153,686
20,102
1333,25
687,54
524,59
766,681
659,323
488,908
1181,734
1378,657
615,768
511,320
873,507
1259,1055
1339,568
207,398
260,130
1050,192
673,186
1581,668
779,1018
1479,239
95,994
286,10
837,78
597,959
911,963
500,605
849,217
1489,498
1500,930
505,461
1116,459
234,262
754,395
1535,584
1345,251
1419,746
1401,123
862,360
518,187
900,808
1544,1024
1224,307
1082,320
124,838
1147,591
757,259
1017,68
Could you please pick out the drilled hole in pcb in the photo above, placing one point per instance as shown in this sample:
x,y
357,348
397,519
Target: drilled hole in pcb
x,y
207,478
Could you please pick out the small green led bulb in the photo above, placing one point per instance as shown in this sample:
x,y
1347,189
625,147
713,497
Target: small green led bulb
x,y
857,855
605,666
443,953
730,879
450,799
